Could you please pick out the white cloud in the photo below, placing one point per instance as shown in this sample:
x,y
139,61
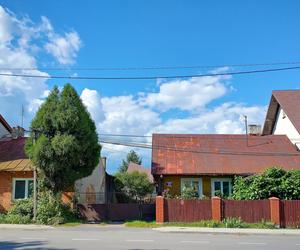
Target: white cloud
x,y
224,119
188,94
20,41
92,101
64,47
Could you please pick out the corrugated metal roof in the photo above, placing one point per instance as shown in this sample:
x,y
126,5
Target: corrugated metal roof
x,y
12,155
221,154
289,101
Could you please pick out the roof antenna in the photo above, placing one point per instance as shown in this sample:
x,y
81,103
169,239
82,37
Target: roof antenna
x,y
246,129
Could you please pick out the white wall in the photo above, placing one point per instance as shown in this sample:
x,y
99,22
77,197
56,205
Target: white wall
x,y
3,131
284,126
94,185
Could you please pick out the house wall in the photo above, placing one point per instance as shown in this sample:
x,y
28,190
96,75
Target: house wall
x,y
284,126
91,189
3,131
175,189
6,187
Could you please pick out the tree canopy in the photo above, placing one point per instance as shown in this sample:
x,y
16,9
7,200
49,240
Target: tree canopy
x,y
134,185
132,156
274,182
66,146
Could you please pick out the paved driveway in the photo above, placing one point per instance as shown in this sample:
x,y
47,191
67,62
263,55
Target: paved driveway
x,y
118,237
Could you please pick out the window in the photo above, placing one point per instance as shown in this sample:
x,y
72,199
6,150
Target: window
x,y
195,183
22,188
221,186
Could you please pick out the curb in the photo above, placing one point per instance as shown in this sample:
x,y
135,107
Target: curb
x,y
239,231
25,226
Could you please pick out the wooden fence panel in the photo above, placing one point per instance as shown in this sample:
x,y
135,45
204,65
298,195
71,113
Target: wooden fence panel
x,y
187,210
290,213
249,211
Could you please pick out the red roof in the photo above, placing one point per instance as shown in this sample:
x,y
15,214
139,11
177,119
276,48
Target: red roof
x,y
12,155
141,169
289,101
5,124
221,154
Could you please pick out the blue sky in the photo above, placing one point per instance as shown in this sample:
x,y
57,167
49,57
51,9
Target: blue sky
x,y
140,33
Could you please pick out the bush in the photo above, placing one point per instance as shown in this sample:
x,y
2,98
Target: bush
x,y
234,223
50,211
273,182
189,193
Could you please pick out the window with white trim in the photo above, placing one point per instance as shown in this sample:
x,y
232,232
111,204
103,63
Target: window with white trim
x,y
22,188
221,186
194,183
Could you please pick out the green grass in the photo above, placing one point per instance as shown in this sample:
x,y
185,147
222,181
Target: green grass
x,y
227,223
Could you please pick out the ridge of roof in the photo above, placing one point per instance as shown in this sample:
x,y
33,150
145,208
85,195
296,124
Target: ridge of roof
x,y
5,124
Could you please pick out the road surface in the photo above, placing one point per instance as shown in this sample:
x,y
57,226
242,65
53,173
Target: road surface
x,y
90,237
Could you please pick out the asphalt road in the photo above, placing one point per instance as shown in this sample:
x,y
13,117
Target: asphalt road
x,y
118,237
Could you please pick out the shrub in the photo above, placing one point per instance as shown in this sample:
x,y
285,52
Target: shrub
x,y
273,182
189,193
50,211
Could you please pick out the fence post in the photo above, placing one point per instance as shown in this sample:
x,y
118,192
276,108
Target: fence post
x,y
216,207
159,209
275,210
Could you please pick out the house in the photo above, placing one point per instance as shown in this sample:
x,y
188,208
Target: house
x,y
283,116
132,167
209,162
16,173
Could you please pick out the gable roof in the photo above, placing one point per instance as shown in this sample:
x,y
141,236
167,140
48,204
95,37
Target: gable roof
x,y
5,124
141,169
221,154
289,101
12,155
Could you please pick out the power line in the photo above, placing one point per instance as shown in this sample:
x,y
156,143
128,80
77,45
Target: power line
x,y
150,77
200,152
151,68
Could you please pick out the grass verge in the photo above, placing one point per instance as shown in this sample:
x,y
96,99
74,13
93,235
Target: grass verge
x,y
227,223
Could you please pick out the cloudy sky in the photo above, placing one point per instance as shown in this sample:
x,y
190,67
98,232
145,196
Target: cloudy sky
x,y
38,35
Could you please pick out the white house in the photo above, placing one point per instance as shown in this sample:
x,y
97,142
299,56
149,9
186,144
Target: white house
x,y
5,129
283,116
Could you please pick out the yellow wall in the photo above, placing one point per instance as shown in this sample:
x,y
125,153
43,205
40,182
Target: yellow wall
x,y
176,183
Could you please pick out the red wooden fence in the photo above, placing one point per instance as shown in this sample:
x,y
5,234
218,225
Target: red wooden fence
x,y
187,210
284,213
290,213
248,211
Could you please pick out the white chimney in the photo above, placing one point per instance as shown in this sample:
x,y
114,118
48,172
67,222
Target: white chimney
x,y
254,129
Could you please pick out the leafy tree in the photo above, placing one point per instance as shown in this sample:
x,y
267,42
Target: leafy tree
x,y
132,156
66,143
134,185
275,182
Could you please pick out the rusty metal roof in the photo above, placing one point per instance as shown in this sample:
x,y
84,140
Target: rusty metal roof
x,y
214,154
12,155
141,169
289,101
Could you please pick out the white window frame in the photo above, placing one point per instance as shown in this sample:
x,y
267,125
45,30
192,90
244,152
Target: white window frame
x,y
26,187
221,180
200,187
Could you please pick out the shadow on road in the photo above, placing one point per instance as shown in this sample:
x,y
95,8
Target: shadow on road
x,y
34,245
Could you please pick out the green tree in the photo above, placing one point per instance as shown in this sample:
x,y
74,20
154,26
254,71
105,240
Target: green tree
x,y
134,185
66,143
274,181
132,156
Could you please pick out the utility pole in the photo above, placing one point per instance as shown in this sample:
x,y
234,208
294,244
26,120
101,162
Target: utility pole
x,y
22,116
34,183
246,129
